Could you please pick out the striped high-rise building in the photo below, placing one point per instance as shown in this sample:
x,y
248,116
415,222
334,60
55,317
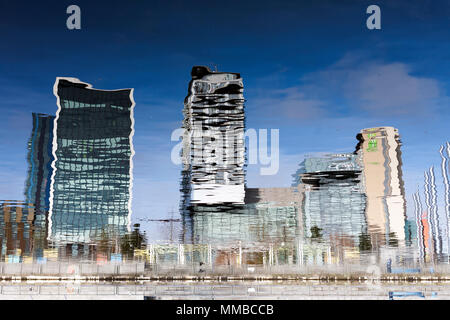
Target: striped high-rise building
x,y
213,141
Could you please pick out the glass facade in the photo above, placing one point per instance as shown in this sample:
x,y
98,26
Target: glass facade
x,y
40,158
334,199
254,224
91,182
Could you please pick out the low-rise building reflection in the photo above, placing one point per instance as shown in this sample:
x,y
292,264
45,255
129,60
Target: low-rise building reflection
x,y
18,238
334,202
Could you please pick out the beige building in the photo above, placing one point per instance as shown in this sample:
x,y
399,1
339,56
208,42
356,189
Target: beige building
x,y
386,205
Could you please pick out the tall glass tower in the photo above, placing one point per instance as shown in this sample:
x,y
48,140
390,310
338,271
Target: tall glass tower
x,y
40,158
90,191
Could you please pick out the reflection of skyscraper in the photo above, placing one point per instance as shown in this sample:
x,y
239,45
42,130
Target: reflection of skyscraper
x,y
334,200
445,155
213,142
432,210
386,206
419,225
37,186
410,232
92,146
425,241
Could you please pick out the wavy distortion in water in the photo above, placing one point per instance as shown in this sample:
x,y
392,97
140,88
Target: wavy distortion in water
x,y
346,207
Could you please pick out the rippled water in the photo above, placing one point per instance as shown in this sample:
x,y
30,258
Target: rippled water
x,y
347,208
